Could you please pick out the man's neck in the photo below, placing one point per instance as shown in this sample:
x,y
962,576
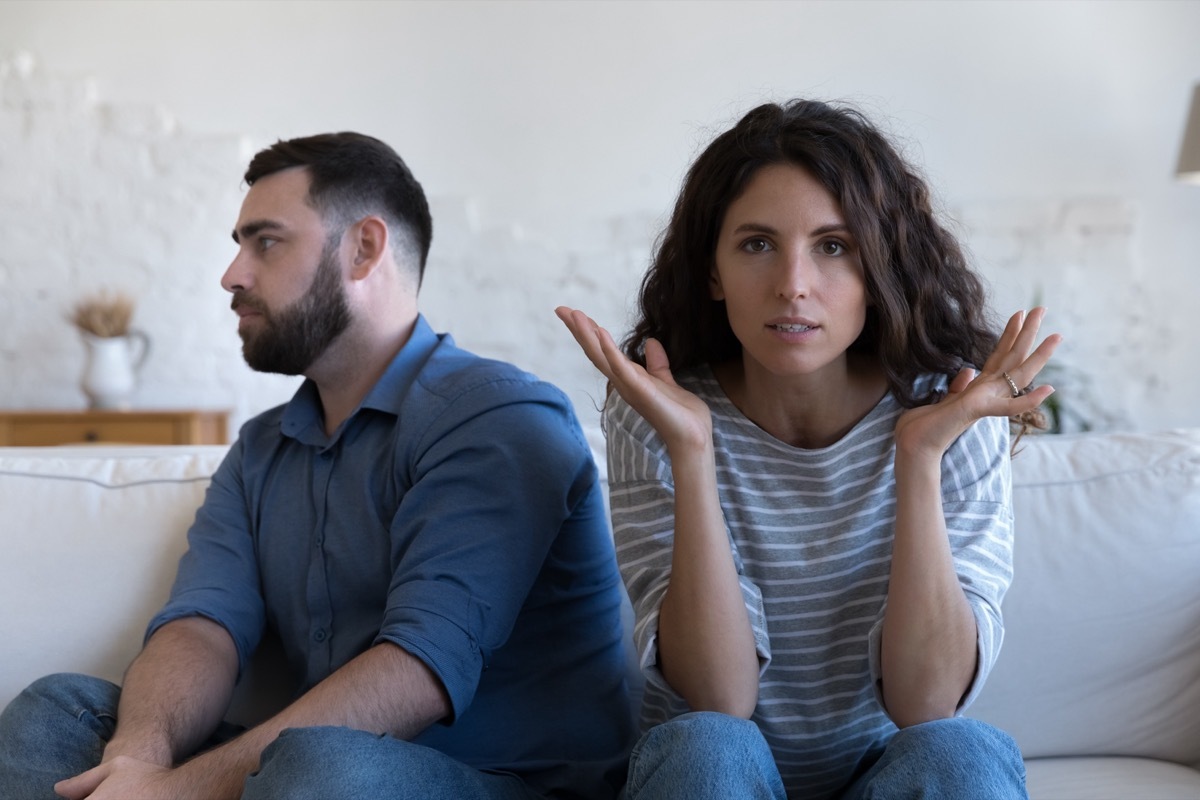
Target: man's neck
x,y
351,367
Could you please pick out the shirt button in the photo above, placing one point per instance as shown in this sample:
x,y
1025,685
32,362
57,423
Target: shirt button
x,y
319,635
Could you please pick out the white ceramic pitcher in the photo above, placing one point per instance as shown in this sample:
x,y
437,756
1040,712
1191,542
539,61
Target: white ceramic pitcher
x,y
113,362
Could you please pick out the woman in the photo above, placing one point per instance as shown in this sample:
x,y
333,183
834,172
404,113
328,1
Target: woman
x,y
809,481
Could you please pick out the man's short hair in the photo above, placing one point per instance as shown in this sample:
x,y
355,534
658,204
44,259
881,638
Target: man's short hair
x,y
353,175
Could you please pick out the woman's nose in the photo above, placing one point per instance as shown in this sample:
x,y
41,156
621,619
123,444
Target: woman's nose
x,y
795,277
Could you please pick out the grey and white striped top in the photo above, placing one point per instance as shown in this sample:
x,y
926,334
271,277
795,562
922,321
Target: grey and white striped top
x,y
811,533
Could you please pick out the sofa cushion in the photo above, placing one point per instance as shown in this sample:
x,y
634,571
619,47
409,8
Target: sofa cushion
x,y
91,539
1124,778
1102,649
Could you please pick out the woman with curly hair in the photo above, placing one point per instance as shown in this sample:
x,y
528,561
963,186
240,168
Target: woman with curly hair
x,y
808,451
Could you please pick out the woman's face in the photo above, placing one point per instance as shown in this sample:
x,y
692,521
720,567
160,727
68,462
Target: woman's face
x,y
790,274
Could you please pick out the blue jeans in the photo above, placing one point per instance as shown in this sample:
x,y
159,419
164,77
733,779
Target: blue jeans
x,y
708,756
58,727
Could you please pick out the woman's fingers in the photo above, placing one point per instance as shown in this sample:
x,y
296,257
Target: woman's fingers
x,y
588,335
1026,337
626,376
1015,355
1024,373
961,381
1008,338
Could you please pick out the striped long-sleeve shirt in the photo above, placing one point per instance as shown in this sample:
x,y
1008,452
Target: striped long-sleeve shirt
x,y
811,534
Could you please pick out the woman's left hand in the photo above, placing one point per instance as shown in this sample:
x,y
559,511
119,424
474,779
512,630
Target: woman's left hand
x,y
1003,388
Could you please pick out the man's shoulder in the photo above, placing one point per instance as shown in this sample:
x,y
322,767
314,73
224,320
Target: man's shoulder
x,y
453,375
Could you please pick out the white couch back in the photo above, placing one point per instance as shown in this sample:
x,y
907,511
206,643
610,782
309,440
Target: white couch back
x,y
1102,654
1102,648
91,537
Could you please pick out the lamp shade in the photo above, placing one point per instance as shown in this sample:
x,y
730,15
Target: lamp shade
x,y
1189,153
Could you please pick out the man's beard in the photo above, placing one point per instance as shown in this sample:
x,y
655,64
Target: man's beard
x,y
292,339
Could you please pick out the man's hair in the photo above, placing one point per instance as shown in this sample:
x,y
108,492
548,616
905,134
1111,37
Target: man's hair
x,y
926,310
352,176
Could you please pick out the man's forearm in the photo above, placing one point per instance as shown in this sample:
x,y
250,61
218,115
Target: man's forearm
x,y
384,690
175,692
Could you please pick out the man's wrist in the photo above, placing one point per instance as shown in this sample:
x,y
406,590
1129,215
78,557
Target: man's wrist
x,y
143,749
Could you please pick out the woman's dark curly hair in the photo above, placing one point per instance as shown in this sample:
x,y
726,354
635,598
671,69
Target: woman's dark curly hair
x,y
927,310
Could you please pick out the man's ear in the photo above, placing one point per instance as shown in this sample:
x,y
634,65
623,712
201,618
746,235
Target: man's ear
x,y
369,244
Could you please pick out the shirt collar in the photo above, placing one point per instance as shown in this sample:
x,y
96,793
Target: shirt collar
x,y
303,418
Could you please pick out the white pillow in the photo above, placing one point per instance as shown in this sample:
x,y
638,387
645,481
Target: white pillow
x,y
1102,647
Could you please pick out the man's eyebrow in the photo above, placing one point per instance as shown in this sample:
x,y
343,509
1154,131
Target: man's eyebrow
x,y
255,226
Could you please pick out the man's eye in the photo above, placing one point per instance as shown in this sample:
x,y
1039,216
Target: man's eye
x,y
266,243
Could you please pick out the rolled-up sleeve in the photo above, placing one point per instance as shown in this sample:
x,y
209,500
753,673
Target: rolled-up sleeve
x,y
977,502
491,480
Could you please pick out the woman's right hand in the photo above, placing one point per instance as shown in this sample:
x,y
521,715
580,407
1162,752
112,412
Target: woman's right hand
x,y
681,418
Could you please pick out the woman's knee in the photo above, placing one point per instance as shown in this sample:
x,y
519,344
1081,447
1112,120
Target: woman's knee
x,y
957,757
958,737
708,754
704,734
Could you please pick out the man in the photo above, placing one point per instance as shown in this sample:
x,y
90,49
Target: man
x,y
422,528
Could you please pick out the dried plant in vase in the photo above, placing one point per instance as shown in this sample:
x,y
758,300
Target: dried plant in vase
x,y
115,351
106,315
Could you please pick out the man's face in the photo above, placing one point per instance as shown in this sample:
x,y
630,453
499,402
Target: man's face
x,y
283,245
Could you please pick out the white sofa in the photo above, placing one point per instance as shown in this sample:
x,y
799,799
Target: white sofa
x,y
1099,679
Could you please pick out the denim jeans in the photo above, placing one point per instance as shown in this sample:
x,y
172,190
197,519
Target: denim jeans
x,y
708,756
58,727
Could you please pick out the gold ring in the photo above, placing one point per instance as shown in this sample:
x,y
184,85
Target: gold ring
x,y
1012,385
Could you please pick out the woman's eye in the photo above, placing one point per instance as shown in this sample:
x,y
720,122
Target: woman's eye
x,y
756,245
832,248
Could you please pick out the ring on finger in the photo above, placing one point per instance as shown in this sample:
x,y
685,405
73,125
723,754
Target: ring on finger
x,y
1012,385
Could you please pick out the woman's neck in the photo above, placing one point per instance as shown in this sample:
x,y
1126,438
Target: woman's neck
x,y
807,411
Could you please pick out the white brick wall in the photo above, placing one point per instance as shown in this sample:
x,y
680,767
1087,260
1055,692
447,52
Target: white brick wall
x,y
95,195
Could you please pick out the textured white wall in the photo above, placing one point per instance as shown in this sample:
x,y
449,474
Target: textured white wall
x,y
551,138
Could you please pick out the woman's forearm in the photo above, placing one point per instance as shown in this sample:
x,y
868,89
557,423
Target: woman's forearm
x,y
929,649
706,645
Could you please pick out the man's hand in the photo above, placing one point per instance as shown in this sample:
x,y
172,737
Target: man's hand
x,y
122,778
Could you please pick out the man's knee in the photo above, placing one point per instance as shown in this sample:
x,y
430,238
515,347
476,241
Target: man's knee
x,y
55,728
51,700
298,762
334,762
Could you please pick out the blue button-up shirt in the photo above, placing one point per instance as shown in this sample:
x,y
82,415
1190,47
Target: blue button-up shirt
x,y
457,514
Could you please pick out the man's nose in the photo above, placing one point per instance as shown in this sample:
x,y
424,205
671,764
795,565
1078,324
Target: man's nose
x,y
237,275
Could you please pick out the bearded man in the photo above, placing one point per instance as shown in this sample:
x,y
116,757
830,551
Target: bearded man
x,y
423,530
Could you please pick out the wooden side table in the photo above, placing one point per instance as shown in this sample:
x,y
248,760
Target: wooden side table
x,y
37,428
